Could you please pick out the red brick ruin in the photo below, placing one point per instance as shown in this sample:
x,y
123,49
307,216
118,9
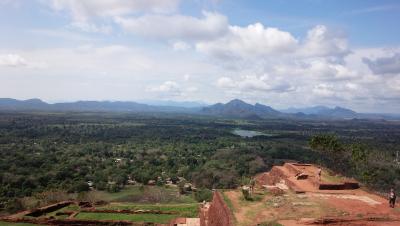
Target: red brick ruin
x,y
34,216
216,213
300,177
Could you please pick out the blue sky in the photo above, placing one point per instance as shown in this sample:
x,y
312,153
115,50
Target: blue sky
x,y
278,52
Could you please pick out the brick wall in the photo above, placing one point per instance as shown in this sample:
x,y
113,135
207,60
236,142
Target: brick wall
x,y
216,213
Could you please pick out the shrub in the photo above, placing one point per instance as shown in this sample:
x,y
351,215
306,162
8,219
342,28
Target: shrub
x,y
80,186
203,195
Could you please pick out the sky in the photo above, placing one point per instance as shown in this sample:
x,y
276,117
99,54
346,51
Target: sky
x,y
281,53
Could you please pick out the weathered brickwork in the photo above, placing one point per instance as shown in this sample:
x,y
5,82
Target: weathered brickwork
x,y
216,213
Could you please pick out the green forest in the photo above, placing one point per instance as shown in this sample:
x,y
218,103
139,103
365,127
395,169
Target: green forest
x,y
63,151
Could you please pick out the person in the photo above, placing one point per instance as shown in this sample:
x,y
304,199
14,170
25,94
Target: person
x,y
392,198
252,184
319,173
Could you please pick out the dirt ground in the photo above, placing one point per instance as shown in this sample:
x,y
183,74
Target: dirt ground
x,y
343,207
355,223
292,209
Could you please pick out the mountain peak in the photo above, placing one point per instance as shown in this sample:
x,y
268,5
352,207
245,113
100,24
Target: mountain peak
x,y
237,101
35,101
241,109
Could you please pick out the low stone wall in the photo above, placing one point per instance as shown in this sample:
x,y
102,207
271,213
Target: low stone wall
x,y
350,221
348,185
216,213
74,222
125,211
35,216
47,209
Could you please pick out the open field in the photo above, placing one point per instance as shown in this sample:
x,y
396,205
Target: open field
x,y
17,224
155,218
115,204
184,210
144,194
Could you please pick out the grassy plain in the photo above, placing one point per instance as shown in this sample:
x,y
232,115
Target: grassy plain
x,y
155,218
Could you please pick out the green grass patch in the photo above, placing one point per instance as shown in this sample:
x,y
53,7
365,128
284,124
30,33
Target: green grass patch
x,y
330,177
127,192
146,194
182,210
67,208
2,223
155,218
270,223
255,197
228,202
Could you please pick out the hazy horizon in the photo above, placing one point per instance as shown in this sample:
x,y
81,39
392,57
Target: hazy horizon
x,y
279,53
197,104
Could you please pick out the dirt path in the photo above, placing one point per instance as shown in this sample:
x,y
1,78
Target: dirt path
x,y
239,210
248,213
290,208
353,223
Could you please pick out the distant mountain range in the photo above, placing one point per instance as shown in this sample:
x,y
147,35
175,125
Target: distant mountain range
x,y
233,109
89,106
239,108
185,104
323,111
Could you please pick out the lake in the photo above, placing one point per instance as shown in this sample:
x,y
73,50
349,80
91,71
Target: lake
x,y
247,133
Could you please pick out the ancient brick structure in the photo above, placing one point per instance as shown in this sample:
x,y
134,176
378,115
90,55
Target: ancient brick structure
x,y
301,178
347,185
216,213
47,209
73,222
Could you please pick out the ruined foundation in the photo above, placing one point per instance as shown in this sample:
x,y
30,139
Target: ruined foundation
x,y
216,213
300,178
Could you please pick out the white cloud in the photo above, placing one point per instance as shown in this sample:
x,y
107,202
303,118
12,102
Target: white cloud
x,y
12,60
61,34
94,15
384,65
17,61
323,90
252,41
373,9
187,77
226,82
172,89
271,65
181,27
90,27
89,9
124,71
169,88
252,83
256,40
394,84
192,89
180,46
321,69
321,42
